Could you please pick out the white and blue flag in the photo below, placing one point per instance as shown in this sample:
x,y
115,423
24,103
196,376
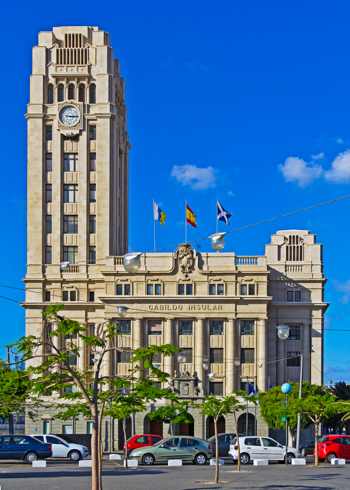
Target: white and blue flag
x,y
222,214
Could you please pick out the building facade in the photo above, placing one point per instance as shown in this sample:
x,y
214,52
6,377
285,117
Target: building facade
x,y
220,309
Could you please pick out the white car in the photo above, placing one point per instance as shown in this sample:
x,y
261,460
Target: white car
x,y
255,447
62,448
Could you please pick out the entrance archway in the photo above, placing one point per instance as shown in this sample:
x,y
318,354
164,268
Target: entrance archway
x,y
210,426
153,426
246,424
128,430
185,429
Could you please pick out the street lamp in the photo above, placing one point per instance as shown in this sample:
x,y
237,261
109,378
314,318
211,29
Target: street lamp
x,y
217,240
283,332
132,261
286,388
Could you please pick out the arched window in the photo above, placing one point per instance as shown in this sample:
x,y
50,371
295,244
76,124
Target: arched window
x,y
71,91
60,92
50,93
81,92
92,94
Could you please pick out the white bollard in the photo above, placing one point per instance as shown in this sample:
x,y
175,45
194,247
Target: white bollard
x,y
260,462
132,463
338,461
115,457
85,463
213,462
298,461
174,462
39,464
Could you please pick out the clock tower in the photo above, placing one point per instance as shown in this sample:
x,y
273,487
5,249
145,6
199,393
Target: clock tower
x,y
77,153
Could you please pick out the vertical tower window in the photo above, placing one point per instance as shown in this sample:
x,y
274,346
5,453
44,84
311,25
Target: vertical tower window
x,y
70,161
60,92
92,255
92,193
92,93
81,95
71,91
48,162
92,132
48,133
92,161
48,223
48,255
70,193
50,93
70,254
70,223
92,223
48,192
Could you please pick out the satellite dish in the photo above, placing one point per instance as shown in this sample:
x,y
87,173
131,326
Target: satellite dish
x,y
217,240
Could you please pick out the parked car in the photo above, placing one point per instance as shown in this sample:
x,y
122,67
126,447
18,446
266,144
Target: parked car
x,y
225,441
333,446
62,448
255,447
141,440
23,447
308,449
190,449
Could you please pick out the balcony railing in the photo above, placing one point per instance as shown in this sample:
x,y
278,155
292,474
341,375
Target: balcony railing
x,y
246,260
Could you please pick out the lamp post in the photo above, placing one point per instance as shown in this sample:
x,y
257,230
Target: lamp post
x,y
283,334
286,388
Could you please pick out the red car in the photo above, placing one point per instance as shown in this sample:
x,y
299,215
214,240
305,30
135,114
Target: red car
x,y
333,446
141,440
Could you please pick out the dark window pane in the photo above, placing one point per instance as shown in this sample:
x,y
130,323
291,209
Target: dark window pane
x,y
92,223
92,160
247,327
154,327
186,355
92,255
212,289
48,255
70,192
48,162
247,356
124,356
60,92
92,93
216,355
71,91
70,162
81,92
185,327
216,327
48,192
216,388
92,193
92,132
92,296
294,332
48,223
50,93
48,133
124,327
293,359
251,289
70,254
70,223
243,289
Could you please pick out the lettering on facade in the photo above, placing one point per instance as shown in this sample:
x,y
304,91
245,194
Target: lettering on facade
x,y
186,308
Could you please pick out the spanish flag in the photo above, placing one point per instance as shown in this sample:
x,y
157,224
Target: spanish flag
x,y
190,217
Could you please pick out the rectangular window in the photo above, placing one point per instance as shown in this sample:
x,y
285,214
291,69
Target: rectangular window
x,y
154,327
92,162
89,426
91,296
216,355
48,133
123,289
216,388
70,254
185,327
185,355
70,223
247,356
246,327
48,254
92,193
124,327
294,296
70,193
216,327
216,289
293,359
92,132
124,356
48,162
48,193
294,332
70,162
46,427
92,223
154,289
48,223
247,289
92,255
185,289
67,429
47,295
70,295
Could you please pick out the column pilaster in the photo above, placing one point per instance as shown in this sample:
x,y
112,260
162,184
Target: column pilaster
x,y
230,356
261,358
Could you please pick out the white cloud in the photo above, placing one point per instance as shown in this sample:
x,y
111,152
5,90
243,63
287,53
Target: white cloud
x,y
231,194
198,178
297,170
340,168
318,156
340,141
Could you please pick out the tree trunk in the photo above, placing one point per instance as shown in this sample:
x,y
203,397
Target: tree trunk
x,y
95,463
238,448
125,445
216,450
316,425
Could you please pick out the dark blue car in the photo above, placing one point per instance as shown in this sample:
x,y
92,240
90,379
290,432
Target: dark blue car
x,y
23,447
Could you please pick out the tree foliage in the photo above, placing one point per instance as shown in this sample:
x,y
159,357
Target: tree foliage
x,y
14,389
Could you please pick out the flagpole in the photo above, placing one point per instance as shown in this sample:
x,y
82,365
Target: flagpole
x,y
185,222
216,217
154,234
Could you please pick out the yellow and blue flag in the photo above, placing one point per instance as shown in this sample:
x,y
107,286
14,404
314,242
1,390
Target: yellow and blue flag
x,y
158,214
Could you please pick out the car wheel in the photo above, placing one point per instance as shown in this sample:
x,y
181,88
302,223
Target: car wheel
x,y
74,455
331,456
200,458
30,457
245,458
289,458
148,459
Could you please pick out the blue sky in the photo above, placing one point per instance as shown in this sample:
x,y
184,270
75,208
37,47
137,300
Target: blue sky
x,y
247,102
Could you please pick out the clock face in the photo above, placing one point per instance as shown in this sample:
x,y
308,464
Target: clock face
x,y
69,115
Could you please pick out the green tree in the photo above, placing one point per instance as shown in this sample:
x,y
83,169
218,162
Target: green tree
x,y
215,407
176,412
53,363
